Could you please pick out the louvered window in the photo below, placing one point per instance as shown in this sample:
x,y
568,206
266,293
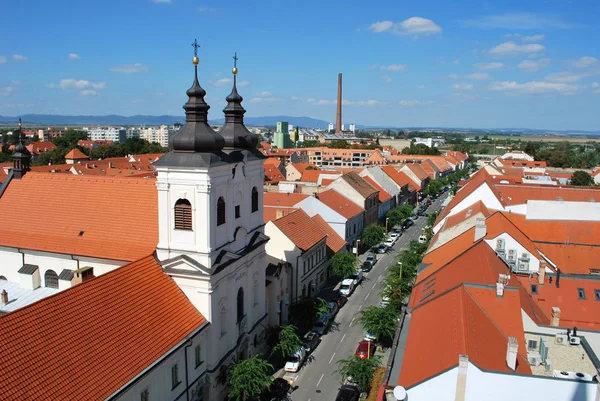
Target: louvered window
x,y
51,279
254,199
183,215
220,211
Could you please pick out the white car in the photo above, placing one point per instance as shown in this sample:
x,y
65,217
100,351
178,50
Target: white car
x,y
394,236
357,277
346,287
295,360
389,242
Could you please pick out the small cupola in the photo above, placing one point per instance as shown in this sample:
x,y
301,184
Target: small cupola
x,y
21,157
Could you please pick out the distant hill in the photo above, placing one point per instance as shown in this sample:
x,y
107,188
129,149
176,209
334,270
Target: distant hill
x,y
113,119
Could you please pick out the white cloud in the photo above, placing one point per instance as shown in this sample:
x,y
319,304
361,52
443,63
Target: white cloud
x,y
7,90
533,88
478,76
566,76
129,68
519,21
534,65
410,26
512,48
3,59
489,66
410,103
393,67
310,100
73,56
583,62
387,79
88,92
421,87
19,57
381,26
595,85
222,81
532,38
242,84
264,99
295,98
77,84
263,94
454,76
462,86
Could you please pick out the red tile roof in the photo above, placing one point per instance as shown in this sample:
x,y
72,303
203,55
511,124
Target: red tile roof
x,y
272,174
118,217
301,167
274,213
40,147
86,342
283,199
399,179
520,194
335,243
457,155
272,161
313,175
300,229
571,258
340,203
477,207
75,154
417,170
383,196
558,231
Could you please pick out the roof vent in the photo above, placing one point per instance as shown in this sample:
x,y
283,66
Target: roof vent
x,y
4,297
592,200
558,198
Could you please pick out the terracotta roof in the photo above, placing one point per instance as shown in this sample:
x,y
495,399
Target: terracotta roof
x,y
574,311
50,346
283,198
272,174
301,167
477,207
75,154
417,170
326,181
40,147
271,213
383,196
557,231
439,163
359,184
335,243
412,185
467,320
272,161
519,194
117,218
399,179
340,203
300,229
521,163
571,258
313,175
457,155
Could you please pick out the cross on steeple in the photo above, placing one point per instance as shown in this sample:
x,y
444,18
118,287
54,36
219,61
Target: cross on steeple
x,y
235,59
195,45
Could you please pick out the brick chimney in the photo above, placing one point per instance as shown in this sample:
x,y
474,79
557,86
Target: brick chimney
x,y
480,229
338,121
4,297
511,353
555,316
499,290
542,272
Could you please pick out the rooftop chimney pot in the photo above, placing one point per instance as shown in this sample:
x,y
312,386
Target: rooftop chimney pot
x,y
555,321
542,272
4,296
511,353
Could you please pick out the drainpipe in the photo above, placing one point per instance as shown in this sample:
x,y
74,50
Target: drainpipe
x,y
73,258
22,254
187,390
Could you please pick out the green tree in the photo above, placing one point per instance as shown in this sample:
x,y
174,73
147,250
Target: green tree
x,y
288,341
343,264
70,138
381,322
360,370
373,235
582,178
338,144
321,307
249,378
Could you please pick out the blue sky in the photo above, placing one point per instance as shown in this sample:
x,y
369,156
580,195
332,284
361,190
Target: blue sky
x,y
484,64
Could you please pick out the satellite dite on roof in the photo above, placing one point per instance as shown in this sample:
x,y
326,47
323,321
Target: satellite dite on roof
x,y
400,393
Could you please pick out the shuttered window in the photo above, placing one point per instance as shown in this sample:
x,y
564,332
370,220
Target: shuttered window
x,y
183,215
254,199
220,211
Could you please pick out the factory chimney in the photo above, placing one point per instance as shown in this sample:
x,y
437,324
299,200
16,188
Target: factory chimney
x,y
338,122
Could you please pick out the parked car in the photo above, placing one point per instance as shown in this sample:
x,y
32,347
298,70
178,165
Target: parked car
x,y
394,236
389,242
422,239
407,223
311,340
367,266
370,336
357,277
385,301
340,300
382,248
348,393
333,309
347,287
398,231
322,324
365,349
372,257
295,360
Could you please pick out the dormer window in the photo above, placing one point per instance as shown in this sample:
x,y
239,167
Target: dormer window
x,y
220,211
183,214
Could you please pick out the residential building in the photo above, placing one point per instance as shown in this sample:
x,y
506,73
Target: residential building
x,y
408,191
158,134
76,156
386,182
359,191
113,134
354,158
416,174
385,199
281,138
294,171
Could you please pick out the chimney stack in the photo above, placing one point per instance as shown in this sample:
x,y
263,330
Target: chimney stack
x,y
555,321
557,281
4,296
461,379
511,353
338,121
542,272
480,229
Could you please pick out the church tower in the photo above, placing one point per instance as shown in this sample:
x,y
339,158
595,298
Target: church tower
x,y
211,237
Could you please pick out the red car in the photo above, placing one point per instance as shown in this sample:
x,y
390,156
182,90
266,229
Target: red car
x,y
366,349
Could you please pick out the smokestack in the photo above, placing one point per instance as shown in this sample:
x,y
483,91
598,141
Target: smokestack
x,y
338,121
4,297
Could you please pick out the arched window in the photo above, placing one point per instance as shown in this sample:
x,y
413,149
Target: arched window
x,y
51,279
223,320
220,211
240,305
254,199
183,214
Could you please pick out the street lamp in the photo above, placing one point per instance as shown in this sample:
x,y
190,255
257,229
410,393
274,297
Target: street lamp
x,y
386,224
357,246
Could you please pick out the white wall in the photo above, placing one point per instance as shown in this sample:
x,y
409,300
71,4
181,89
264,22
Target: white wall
x,y
346,190
313,206
511,243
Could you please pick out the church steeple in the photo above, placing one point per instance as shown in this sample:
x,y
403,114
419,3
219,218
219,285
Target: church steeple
x,y
235,133
21,157
196,135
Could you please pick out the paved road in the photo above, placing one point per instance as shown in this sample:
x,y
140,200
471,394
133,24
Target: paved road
x,y
317,380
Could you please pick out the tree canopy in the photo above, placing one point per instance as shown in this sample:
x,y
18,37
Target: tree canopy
x,y
249,378
398,214
372,235
343,264
582,178
360,370
381,322
288,341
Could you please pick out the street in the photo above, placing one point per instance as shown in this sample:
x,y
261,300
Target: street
x,y
318,379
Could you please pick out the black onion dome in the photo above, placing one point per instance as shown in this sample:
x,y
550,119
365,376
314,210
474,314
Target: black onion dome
x,y
235,133
196,135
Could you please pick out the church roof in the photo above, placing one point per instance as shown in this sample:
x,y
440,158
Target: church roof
x,y
76,154
112,218
300,229
87,342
